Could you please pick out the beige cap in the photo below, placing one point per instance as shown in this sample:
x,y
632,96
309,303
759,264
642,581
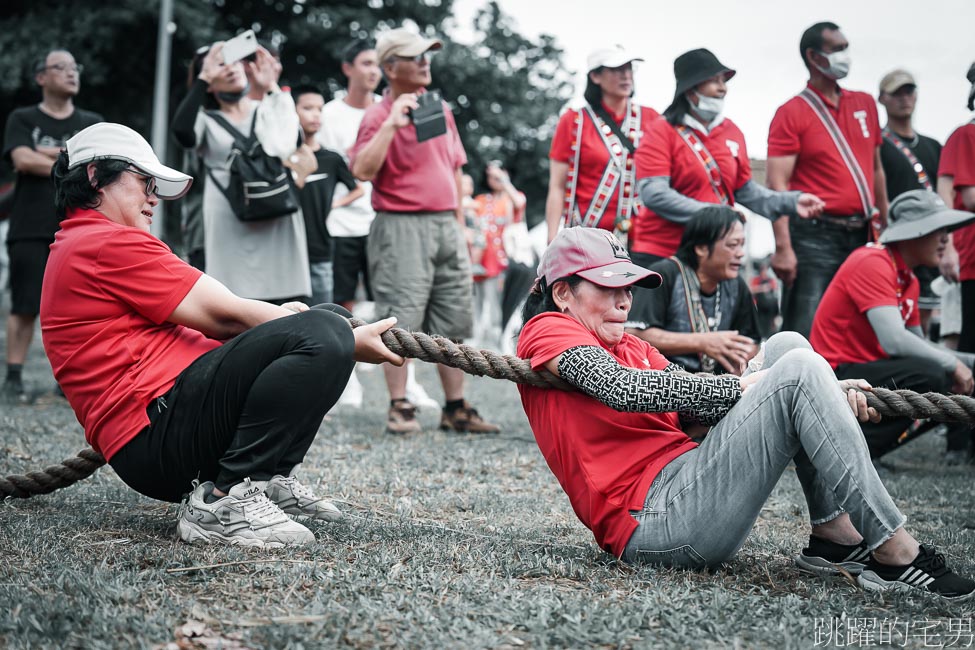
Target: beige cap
x,y
403,42
896,79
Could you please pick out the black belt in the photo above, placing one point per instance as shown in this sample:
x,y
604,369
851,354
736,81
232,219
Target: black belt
x,y
852,223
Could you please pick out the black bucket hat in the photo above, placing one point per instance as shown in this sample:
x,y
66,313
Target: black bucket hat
x,y
697,66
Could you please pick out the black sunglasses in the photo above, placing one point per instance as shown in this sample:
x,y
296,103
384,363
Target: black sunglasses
x,y
150,181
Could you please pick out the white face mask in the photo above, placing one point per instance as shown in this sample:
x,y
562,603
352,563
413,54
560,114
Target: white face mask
x,y
839,64
708,108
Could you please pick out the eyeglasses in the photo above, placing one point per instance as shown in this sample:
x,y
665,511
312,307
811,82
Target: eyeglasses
x,y
150,188
64,67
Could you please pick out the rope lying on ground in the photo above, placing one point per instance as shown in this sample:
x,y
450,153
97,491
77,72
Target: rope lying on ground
x,y
484,363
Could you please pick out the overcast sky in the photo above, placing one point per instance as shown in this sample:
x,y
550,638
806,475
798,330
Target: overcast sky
x,y
933,39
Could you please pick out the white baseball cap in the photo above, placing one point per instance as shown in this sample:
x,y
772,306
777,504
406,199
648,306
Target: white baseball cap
x,y
109,141
609,57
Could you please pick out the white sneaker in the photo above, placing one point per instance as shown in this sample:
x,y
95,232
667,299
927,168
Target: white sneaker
x,y
298,501
245,517
352,395
415,392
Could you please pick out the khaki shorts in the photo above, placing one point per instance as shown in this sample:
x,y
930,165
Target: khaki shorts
x,y
420,272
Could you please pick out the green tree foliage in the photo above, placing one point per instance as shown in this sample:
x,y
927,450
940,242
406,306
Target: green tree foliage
x,y
506,89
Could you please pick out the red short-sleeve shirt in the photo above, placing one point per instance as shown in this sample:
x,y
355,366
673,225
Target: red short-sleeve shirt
x,y
958,161
415,176
872,276
605,460
797,131
108,290
664,153
593,157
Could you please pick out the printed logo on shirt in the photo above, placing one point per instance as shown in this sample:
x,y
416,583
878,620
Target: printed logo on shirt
x,y
861,117
907,308
311,178
732,147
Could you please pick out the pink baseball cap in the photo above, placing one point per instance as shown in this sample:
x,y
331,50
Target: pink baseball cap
x,y
596,255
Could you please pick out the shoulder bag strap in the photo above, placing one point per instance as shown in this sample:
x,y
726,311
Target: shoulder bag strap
x,y
707,161
901,146
843,147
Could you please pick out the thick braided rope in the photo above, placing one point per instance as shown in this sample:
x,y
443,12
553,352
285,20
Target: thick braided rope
x,y
484,363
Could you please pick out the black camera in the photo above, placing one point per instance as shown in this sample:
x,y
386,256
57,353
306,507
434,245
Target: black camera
x,y
428,117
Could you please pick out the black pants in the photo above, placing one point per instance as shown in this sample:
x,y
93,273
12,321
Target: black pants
x,y
966,340
820,250
910,373
250,408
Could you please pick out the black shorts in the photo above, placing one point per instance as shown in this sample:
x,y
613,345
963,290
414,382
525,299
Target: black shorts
x,y
348,264
28,257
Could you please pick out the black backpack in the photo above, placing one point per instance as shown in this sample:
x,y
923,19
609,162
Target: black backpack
x,y
259,187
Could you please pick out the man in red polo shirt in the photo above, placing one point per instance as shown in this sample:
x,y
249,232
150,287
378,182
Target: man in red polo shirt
x,y
418,261
825,141
868,325
956,185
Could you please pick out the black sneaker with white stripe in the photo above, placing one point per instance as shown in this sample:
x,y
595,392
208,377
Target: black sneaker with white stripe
x,y
927,573
826,558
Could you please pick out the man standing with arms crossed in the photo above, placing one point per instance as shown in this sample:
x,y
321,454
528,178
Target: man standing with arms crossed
x,y
32,140
825,141
418,260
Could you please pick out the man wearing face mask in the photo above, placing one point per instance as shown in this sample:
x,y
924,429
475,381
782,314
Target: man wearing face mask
x,y
826,140
695,157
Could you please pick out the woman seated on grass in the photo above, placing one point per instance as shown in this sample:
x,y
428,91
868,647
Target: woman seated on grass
x,y
650,494
181,385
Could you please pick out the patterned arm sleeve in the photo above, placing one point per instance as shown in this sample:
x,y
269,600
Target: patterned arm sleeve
x,y
697,399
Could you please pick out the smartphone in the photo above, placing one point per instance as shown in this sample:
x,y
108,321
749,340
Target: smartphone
x,y
240,47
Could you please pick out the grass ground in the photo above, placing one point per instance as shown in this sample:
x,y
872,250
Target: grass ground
x,y
450,541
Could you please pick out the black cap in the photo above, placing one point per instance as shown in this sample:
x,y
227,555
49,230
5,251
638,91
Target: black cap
x,y
697,66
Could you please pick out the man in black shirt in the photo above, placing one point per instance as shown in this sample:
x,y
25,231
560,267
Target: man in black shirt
x,y
702,316
32,140
316,191
910,161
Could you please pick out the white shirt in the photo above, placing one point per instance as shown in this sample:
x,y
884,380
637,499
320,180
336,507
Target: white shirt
x,y
340,126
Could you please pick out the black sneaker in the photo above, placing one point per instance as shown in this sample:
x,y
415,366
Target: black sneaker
x,y
928,573
825,558
13,392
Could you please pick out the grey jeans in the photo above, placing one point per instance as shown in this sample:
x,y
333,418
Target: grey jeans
x,y
702,505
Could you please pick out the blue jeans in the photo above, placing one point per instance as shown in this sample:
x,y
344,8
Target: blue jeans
x,y
322,282
702,505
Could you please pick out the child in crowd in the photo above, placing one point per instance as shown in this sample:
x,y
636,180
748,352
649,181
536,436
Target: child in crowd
x,y
317,188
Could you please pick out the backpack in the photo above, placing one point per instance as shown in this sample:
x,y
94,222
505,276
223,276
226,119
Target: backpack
x,y
259,187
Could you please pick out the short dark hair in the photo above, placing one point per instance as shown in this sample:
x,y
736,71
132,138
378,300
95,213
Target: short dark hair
x,y
813,38
541,301
73,190
706,228
306,89
41,64
355,48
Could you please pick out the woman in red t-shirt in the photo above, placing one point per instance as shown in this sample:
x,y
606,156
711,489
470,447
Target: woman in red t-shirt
x,y
649,494
591,169
181,385
695,156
